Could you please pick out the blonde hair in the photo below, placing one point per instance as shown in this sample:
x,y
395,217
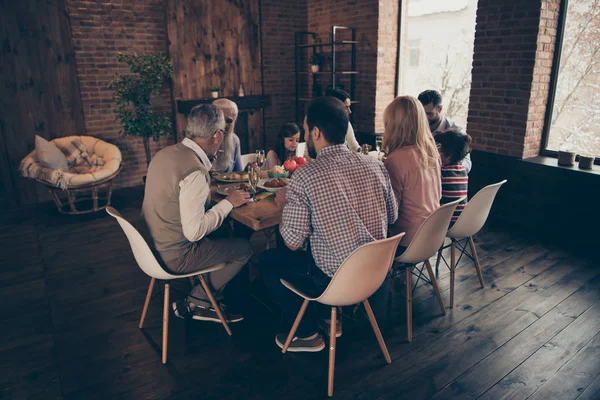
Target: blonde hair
x,y
406,124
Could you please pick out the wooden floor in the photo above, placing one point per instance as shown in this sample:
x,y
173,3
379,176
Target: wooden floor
x,y
71,295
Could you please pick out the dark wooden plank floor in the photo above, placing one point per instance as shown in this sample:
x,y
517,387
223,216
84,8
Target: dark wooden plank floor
x,y
71,295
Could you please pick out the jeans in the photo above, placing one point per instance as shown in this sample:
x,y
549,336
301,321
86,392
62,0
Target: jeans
x,y
299,269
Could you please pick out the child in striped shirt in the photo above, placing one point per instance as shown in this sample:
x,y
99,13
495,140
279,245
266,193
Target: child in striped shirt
x,y
454,146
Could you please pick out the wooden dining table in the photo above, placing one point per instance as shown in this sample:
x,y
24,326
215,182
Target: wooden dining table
x,y
259,215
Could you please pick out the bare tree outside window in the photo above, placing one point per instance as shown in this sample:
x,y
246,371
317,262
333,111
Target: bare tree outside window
x,y
445,33
575,122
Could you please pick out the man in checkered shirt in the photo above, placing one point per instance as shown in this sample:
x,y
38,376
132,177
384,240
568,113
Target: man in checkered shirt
x,y
336,203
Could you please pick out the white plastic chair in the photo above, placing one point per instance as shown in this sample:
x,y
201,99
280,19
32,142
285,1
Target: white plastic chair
x,y
151,267
359,276
424,245
470,221
247,159
301,149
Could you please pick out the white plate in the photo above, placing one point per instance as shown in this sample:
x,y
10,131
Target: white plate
x,y
225,190
261,184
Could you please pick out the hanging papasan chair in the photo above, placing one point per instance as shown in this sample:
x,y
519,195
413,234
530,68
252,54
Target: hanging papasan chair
x,y
77,170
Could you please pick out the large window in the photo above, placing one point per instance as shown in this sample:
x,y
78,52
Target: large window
x,y
573,123
436,51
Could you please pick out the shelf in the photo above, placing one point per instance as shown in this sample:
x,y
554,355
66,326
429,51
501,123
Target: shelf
x,y
343,42
312,98
329,73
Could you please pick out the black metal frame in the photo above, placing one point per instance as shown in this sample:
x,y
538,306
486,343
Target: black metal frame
x,y
562,20
299,44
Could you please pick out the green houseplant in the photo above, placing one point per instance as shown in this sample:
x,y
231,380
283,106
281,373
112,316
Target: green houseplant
x,y
133,95
315,60
214,91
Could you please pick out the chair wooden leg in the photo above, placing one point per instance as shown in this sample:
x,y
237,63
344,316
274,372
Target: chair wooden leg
x,y
436,289
452,270
377,332
477,266
147,302
165,325
295,326
214,304
437,262
332,340
408,304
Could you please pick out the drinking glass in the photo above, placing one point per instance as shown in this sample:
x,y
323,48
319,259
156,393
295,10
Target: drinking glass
x,y
254,174
379,146
260,158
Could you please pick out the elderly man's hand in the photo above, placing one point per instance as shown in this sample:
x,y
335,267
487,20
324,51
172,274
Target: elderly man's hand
x,y
280,197
238,198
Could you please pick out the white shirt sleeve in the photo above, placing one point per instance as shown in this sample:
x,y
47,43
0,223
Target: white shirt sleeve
x,y
193,193
467,163
351,141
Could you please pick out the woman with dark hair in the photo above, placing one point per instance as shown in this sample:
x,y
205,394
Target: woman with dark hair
x,y
344,97
287,143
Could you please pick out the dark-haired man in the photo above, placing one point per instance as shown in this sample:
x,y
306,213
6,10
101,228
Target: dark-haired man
x,y
438,123
337,202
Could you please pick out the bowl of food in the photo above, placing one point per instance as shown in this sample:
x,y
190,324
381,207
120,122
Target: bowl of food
x,y
273,185
278,172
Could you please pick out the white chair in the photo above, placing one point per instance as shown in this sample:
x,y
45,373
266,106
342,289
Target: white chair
x,y
359,276
470,221
247,159
301,149
151,267
424,245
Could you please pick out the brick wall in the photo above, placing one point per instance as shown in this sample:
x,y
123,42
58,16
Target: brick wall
x,y
514,46
100,31
387,50
280,20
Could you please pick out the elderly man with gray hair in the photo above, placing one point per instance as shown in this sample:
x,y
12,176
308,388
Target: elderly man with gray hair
x,y
229,156
176,209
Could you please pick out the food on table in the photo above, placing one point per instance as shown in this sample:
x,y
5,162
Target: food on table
x,y
300,161
277,169
290,165
275,183
235,177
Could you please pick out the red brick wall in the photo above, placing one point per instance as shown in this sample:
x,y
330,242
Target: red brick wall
x,y
100,31
387,50
280,20
514,46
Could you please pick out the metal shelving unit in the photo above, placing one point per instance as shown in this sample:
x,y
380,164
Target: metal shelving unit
x,y
300,39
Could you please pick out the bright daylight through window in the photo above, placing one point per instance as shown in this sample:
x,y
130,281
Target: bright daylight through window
x,y
575,122
436,52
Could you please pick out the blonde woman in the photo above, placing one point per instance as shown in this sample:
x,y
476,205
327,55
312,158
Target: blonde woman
x,y
413,163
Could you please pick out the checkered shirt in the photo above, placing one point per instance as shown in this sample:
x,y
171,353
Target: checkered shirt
x,y
339,201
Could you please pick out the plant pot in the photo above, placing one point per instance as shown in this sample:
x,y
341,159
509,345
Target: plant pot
x,y
586,162
566,158
215,95
314,68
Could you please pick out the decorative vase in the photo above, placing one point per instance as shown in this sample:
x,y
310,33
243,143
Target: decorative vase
x,y
586,162
566,158
215,95
314,68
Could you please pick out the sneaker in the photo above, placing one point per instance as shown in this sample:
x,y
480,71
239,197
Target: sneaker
x,y
338,327
311,344
202,313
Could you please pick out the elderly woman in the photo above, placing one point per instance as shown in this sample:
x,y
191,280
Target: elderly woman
x,y
229,156
413,163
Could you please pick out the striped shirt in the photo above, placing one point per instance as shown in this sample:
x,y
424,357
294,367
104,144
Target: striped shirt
x,y
338,201
455,184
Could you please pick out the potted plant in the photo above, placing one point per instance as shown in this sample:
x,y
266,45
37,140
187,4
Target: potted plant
x,y
133,95
214,91
315,61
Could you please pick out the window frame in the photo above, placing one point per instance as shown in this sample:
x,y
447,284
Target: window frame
x,y
562,20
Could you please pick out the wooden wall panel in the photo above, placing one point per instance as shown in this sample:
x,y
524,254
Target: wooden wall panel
x,y
215,43
40,89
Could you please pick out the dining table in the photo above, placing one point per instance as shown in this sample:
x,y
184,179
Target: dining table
x,y
258,215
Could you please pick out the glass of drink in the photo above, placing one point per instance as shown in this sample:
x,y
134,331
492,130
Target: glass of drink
x,y
379,146
260,158
254,174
